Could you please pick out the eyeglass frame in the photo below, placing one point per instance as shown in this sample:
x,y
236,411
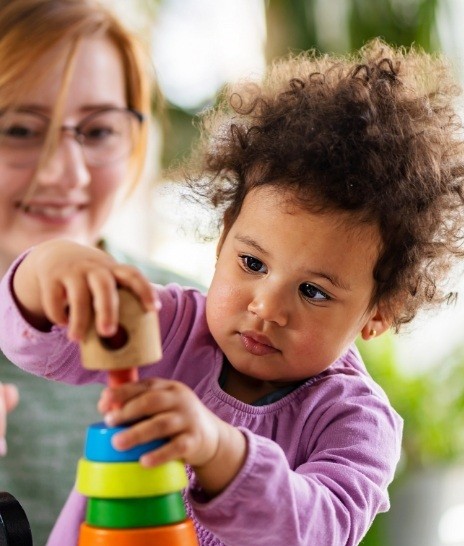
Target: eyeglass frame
x,y
74,129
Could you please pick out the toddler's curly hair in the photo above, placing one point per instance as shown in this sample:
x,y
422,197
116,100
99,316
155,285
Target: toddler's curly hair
x,y
376,133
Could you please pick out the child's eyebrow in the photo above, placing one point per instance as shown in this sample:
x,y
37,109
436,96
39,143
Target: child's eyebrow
x,y
251,242
333,279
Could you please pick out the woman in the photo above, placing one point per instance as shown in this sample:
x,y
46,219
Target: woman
x,y
74,101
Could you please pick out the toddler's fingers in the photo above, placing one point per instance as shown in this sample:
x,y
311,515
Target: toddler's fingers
x,y
111,396
54,302
176,448
139,433
11,396
102,284
133,279
120,395
139,400
80,308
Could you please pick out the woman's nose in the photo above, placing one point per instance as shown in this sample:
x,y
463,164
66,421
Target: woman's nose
x,y
65,166
270,305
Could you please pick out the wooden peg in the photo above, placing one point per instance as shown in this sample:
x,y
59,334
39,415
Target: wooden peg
x,y
136,343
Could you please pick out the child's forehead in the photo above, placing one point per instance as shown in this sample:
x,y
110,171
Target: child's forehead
x,y
267,209
291,201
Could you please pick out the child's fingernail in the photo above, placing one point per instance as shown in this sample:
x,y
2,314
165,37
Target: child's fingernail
x,y
3,448
108,330
110,419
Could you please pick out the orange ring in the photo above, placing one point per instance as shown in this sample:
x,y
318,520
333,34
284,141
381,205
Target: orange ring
x,y
180,534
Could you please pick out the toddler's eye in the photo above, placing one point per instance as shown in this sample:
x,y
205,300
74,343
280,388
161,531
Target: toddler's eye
x,y
253,264
311,292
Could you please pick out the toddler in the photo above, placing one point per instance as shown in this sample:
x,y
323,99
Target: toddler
x,y
339,186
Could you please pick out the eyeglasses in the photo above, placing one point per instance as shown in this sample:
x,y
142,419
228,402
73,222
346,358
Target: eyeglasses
x,y
105,136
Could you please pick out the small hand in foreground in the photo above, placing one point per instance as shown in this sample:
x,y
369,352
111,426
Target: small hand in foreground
x,y
170,409
64,283
9,399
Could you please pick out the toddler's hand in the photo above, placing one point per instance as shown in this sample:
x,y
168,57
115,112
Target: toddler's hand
x,y
9,399
169,409
64,283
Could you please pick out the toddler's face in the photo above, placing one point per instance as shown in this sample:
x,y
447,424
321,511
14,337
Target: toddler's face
x,y
291,288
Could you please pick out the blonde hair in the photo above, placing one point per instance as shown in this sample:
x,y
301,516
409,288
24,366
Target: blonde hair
x,y
29,29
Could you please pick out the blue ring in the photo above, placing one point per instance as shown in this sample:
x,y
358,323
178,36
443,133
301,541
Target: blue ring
x,y
98,445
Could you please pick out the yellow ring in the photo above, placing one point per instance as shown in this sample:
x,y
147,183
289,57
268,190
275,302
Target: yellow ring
x,y
127,480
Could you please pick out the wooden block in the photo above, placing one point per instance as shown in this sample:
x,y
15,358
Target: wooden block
x,y
137,342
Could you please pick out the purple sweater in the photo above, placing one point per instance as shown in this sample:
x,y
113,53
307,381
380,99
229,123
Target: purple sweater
x,y
319,460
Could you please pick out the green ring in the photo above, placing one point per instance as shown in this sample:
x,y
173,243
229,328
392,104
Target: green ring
x,y
127,480
136,512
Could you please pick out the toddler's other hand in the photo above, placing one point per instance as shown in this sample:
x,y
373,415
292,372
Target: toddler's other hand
x,y
163,409
170,409
9,398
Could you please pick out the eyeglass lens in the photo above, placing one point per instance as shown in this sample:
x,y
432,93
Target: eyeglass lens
x,y
105,136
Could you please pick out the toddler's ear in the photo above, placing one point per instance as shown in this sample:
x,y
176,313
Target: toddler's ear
x,y
378,323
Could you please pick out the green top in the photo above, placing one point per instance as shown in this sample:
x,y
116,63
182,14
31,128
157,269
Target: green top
x,y
46,432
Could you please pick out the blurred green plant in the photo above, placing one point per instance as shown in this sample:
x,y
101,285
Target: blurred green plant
x,y
432,406
293,23
398,22
431,403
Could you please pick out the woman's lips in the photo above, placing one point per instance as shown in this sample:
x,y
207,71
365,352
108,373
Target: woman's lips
x,y
257,344
52,212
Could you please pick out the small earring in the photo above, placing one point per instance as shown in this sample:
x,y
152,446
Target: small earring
x,y
372,332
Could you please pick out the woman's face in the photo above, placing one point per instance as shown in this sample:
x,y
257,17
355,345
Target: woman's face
x,y
69,197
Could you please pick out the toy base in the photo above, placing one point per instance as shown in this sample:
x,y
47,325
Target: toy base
x,y
181,534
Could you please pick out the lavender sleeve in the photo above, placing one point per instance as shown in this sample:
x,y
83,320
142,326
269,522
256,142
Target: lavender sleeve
x,y
330,499
46,354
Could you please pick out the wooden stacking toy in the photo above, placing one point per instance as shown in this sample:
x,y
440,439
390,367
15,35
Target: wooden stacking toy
x,y
128,504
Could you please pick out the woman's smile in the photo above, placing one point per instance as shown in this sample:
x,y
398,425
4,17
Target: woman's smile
x,y
62,212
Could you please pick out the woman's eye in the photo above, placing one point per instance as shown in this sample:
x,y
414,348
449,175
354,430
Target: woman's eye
x,y
95,134
20,132
253,264
313,293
